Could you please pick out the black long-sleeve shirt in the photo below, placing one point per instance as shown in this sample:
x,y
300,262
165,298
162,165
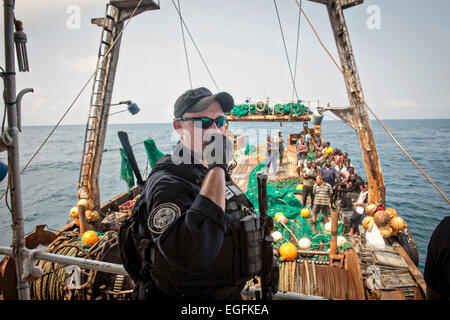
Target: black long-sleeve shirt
x,y
191,235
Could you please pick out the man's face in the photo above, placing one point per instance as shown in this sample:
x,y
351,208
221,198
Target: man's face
x,y
319,180
192,136
308,163
327,163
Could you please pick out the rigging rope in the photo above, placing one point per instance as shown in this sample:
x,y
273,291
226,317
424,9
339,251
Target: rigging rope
x,y
84,87
371,111
285,48
296,52
195,45
184,45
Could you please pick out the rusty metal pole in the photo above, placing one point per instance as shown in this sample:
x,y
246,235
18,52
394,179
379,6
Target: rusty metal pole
x,y
13,150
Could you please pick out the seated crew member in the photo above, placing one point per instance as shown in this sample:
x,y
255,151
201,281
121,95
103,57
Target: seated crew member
x,y
351,185
181,239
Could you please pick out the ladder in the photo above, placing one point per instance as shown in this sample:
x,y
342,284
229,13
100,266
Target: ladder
x,y
97,102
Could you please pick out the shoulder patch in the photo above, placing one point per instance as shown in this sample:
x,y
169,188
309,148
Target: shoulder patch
x,y
162,216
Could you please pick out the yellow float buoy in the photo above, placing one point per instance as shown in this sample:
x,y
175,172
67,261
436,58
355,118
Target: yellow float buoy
x,y
74,213
83,202
397,223
305,212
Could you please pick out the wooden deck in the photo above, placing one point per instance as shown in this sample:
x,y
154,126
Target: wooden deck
x,y
246,164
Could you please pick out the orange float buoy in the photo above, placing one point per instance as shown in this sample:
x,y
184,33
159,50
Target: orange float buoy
x,y
391,212
367,222
288,251
397,223
371,209
381,218
89,238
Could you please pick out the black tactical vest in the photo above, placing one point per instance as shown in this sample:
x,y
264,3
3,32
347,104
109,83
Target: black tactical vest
x,y
238,261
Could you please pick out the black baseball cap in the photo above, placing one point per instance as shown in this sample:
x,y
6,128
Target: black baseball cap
x,y
196,100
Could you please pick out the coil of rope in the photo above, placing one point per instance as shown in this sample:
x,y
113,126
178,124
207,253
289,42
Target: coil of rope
x,y
52,285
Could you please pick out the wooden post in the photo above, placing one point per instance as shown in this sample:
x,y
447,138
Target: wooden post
x,y
84,225
333,255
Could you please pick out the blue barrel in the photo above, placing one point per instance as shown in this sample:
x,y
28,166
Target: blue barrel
x,y
3,170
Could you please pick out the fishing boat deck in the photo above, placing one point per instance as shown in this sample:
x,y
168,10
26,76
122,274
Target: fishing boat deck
x,y
245,164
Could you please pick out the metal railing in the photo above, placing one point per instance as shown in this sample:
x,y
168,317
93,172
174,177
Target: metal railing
x,y
66,260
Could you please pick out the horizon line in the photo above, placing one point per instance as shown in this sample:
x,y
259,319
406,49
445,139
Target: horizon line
x,y
82,124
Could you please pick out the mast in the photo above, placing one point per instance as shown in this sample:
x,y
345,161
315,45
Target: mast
x,y
356,115
112,24
12,131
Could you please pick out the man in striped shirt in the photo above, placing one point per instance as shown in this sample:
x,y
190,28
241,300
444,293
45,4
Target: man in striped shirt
x,y
322,192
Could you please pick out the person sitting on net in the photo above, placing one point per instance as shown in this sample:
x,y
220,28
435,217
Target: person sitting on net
x,y
352,185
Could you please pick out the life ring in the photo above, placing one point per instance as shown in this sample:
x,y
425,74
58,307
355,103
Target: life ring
x,y
264,106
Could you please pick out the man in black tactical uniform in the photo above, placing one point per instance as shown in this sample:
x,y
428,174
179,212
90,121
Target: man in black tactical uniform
x,y
193,233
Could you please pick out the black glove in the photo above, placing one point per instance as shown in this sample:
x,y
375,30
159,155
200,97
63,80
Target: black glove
x,y
219,152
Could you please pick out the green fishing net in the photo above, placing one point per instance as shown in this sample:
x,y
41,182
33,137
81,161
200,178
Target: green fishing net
x,y
244,109
281,197
152,152
126,171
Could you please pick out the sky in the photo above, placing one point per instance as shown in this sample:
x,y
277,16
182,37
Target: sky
x,y
401,50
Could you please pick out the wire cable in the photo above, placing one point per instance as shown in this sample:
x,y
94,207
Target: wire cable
x,y
285,49
296,52
184,45
196,47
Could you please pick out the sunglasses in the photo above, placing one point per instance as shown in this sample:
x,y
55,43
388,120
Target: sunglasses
x,y
205,122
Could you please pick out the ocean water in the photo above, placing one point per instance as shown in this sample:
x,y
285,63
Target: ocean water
x,y
49,184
